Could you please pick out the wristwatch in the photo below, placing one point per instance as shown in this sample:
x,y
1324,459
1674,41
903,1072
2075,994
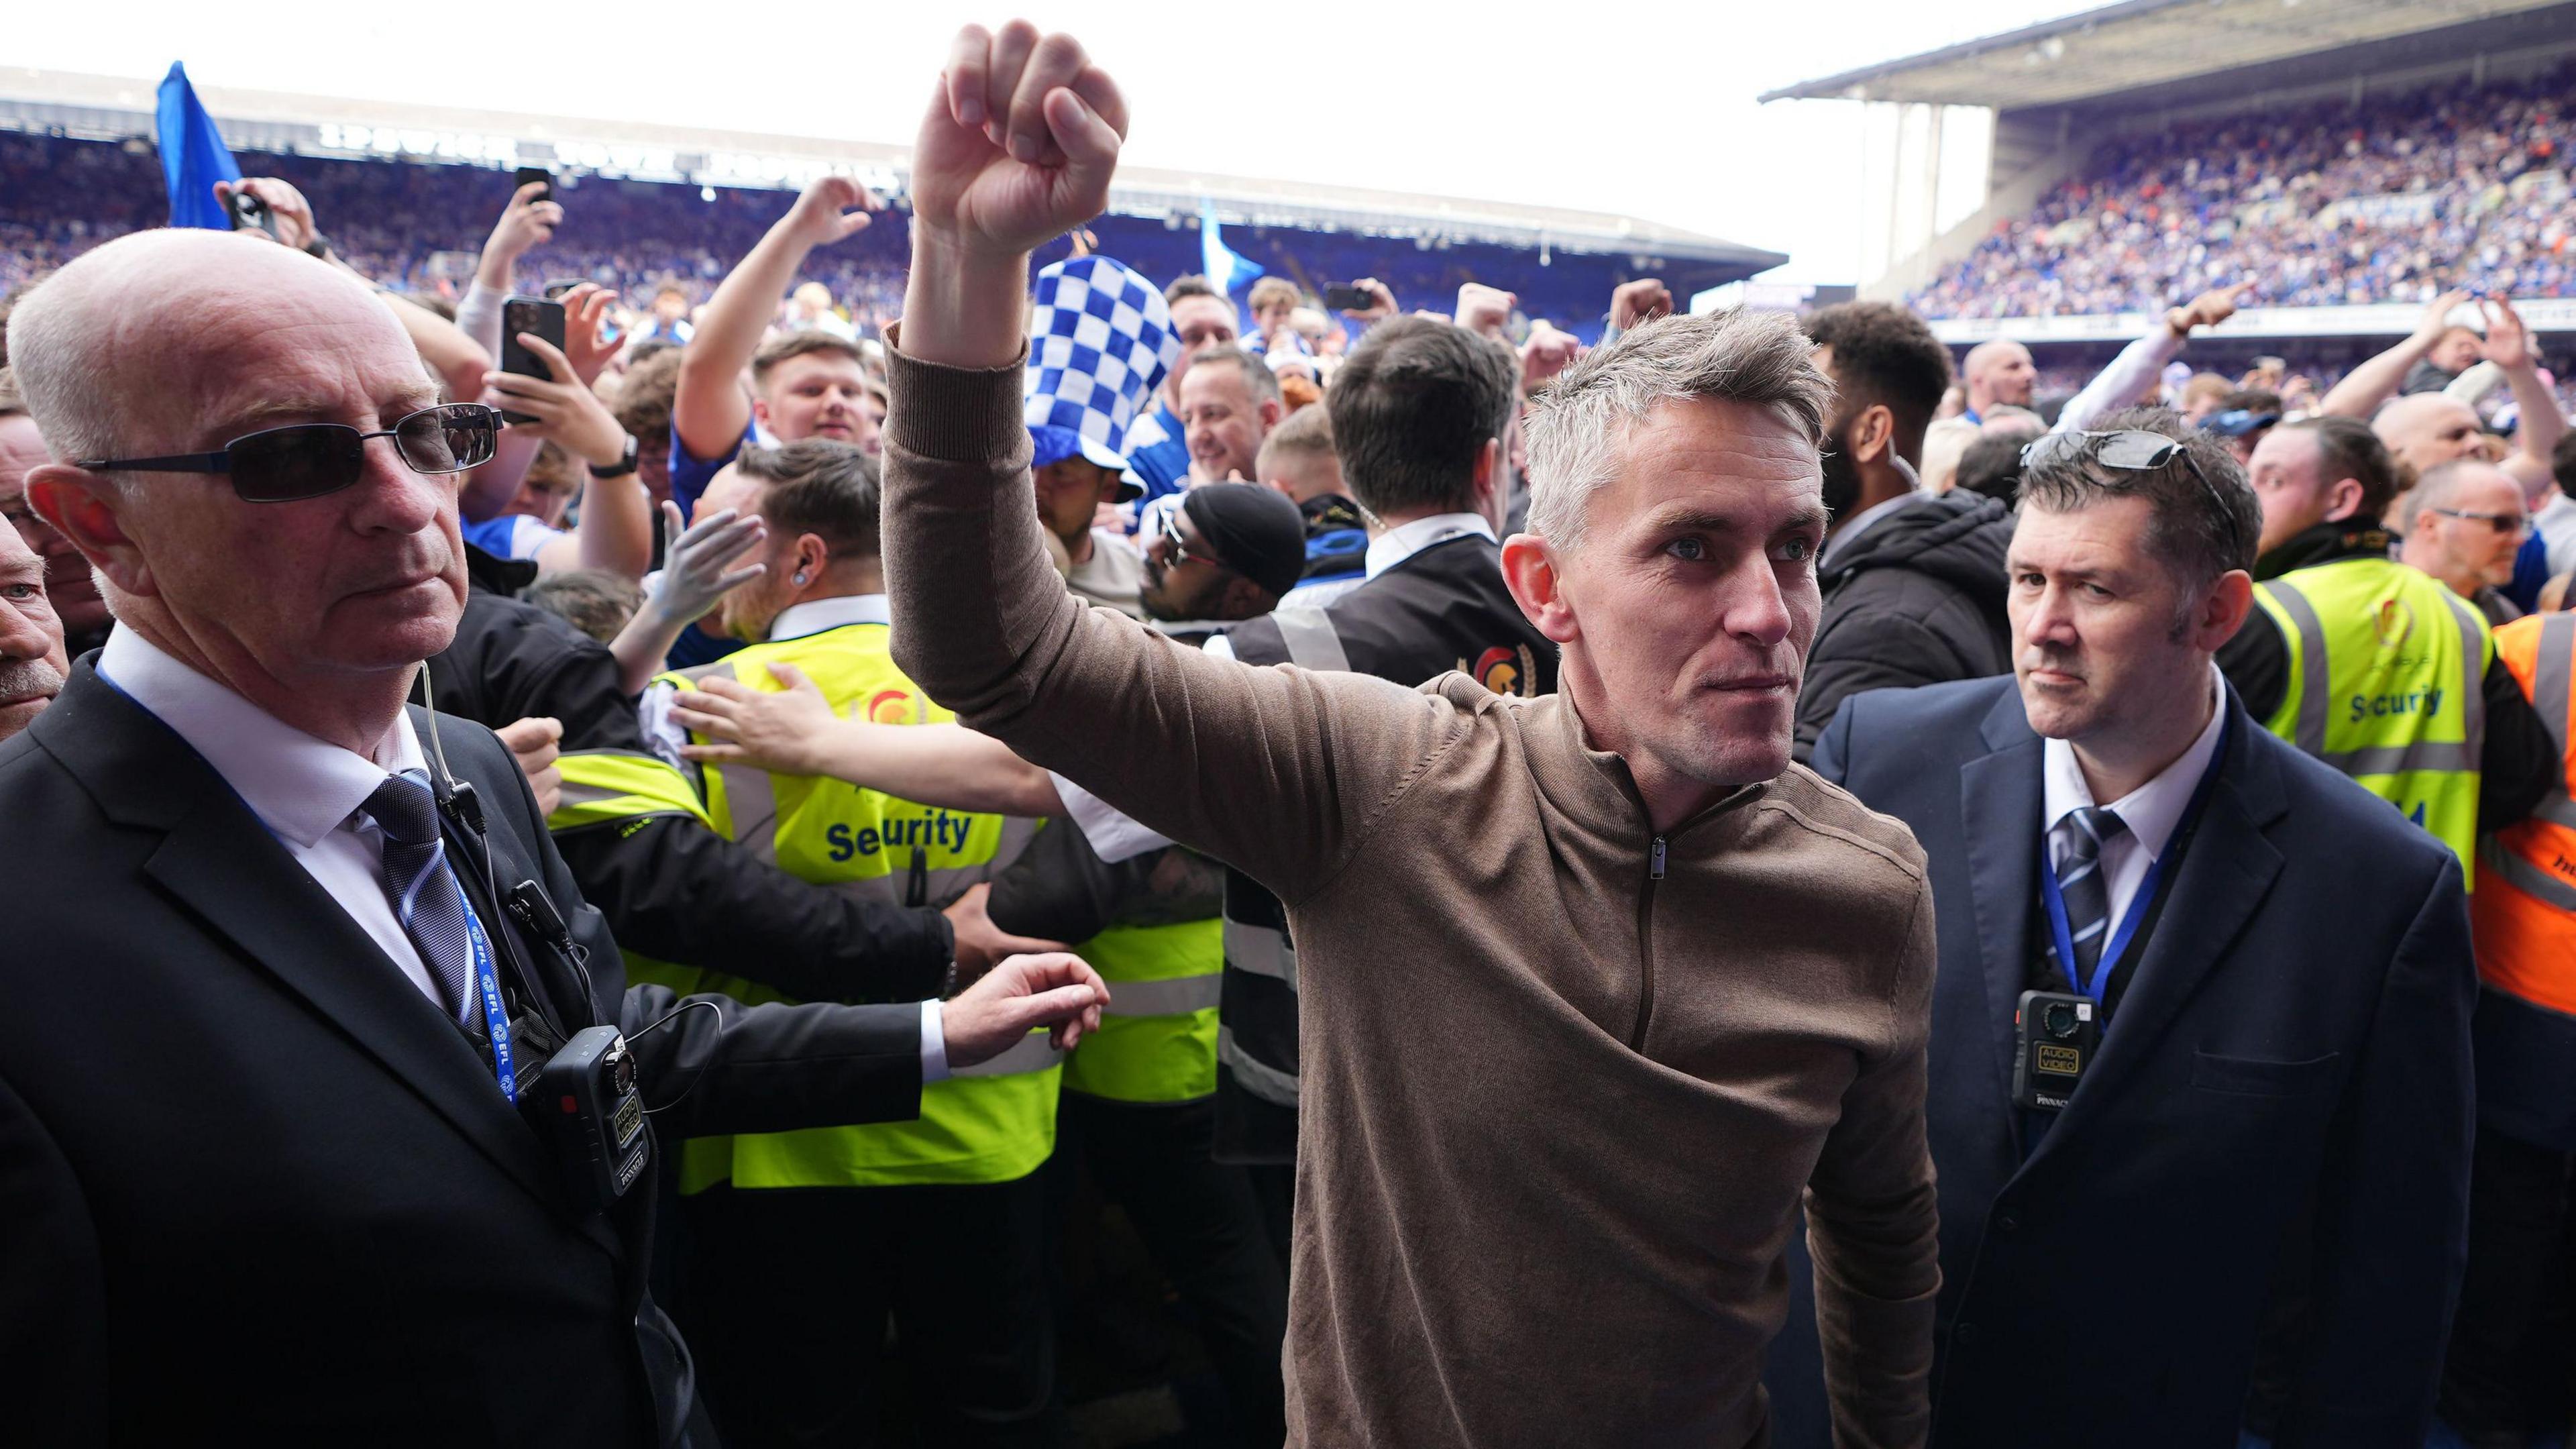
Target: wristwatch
x,y
622,466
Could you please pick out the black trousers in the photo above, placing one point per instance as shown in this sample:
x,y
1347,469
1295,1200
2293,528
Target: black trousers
x,y
2512,1356
1202,1224
790,1288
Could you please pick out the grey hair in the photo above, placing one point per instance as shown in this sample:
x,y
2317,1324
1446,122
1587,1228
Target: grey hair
x,y
58,366
1575,427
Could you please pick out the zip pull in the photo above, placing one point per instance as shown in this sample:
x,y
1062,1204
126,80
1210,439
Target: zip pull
x,y
1655,860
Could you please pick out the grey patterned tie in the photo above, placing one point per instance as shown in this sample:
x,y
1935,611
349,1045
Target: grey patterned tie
x,y
2078,838
423,889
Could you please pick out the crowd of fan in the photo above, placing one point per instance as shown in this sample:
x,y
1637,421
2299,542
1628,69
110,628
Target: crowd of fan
x,y
60,197
2323,205
708,432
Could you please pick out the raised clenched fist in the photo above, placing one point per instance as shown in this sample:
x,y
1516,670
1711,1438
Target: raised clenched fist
x,y
1019,143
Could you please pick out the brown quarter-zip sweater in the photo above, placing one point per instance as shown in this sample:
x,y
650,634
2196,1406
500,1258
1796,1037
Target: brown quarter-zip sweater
x,y
1564,1078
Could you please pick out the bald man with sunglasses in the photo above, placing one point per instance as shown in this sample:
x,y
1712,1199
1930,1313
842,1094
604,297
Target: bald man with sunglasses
x,y
283,1147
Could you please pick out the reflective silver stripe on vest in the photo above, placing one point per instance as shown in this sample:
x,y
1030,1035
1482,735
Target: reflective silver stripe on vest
x,y
1261,951
751,803
1261,1079
2473,699
2311,729
1311,642
2402,759
2556,808
1176,996
1031,1055
2549,675
2523,875
2549,685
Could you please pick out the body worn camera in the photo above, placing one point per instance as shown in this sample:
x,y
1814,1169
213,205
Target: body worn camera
x,y
2054,1038
586,1102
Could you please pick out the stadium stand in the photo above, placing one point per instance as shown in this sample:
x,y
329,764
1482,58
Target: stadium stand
x,y
2320,206
415,224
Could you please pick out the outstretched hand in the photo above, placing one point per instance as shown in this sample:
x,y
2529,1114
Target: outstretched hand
x,y
831,209
695,557
1019,143
771,729
2508,342
1054,990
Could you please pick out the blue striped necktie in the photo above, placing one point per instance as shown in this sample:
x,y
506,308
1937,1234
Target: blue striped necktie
x,y
424,892
2079,835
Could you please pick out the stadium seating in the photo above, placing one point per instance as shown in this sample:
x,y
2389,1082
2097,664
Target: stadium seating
x,y
59,197
2322,205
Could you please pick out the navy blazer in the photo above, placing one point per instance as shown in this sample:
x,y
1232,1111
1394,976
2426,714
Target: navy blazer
x,y
252,1182
2283,1101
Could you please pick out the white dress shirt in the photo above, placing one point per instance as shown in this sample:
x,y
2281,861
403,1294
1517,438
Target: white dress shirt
x,y
2152,812
305,790
666,735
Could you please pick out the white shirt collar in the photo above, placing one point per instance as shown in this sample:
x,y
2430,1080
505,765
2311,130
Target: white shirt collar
x,y
816,615
1407,539
2154,809
302,788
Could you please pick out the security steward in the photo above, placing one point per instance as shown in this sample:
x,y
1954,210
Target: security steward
x,y
2371,666
636,836
319,1046
1419,409
2524,920
804,1242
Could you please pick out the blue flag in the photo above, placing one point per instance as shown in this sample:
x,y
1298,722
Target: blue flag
x,y
193,157
1227,270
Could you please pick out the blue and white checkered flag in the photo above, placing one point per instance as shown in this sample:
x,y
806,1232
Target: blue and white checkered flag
x,y
1100,341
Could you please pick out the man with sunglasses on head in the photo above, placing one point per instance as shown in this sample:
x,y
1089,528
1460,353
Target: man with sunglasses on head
x,y
2246,1073
2372,666
296,979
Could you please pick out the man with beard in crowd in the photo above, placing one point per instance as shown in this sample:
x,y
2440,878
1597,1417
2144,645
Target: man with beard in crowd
x,y
1913,582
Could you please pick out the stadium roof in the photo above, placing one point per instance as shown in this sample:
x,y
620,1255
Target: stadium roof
x,y
117,107
2140,46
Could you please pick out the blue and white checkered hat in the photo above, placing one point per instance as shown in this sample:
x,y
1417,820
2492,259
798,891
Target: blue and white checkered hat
x,y
1100,341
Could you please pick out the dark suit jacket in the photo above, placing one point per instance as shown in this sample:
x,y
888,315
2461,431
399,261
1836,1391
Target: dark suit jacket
x,y
254,1185
2283,1099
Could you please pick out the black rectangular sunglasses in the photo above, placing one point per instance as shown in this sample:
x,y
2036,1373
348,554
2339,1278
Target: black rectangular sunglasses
x,y
2131,450
308,460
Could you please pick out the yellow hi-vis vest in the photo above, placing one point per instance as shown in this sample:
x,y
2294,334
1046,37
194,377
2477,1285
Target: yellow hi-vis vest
x,y
989,1123
1157,1037
2387,668
604,787
2524,921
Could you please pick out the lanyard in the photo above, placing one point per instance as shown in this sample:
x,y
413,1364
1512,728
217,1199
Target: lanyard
x,y
496,1021
2061,936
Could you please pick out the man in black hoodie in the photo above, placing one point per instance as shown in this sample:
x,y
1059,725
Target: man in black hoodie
x,y
1913,582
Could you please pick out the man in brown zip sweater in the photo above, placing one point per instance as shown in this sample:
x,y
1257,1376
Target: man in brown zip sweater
x,y
1594,984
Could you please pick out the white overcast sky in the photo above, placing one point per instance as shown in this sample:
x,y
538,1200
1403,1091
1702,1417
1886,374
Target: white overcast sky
x,y
1644,108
